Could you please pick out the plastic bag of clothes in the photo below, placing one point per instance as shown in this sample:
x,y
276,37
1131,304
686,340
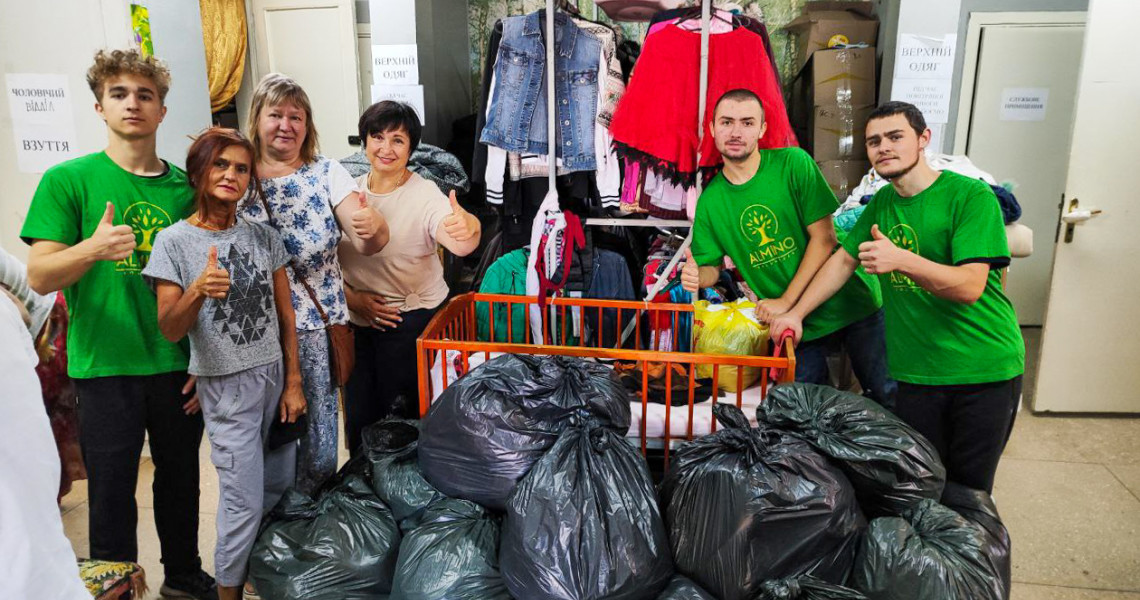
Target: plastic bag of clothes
x,y
584,524
729,328
806,588
978,508
390,446
743,506
891,465
929,553
483,434
452,555
340,547
683,588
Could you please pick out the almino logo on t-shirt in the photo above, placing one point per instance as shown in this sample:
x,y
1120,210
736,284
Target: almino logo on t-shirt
x,y
760,226
146,220
905,237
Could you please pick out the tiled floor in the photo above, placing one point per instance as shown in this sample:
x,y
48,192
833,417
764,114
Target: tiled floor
x,y
1068,488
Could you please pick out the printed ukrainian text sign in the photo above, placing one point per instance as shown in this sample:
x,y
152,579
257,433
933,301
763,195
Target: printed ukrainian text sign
x,y
42,121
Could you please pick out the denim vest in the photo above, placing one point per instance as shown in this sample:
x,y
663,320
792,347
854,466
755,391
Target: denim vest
x,y
516,120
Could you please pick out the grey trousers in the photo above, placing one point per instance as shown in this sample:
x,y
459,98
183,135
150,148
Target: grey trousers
x,y
238,410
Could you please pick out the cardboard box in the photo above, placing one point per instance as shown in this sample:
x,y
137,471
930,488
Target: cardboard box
x,y
837,133
843,175
823,25
842,77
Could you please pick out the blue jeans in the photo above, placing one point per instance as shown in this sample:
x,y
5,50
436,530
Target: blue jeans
x,y
866,345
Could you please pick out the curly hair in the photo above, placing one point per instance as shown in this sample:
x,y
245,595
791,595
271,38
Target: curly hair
x,y
113,63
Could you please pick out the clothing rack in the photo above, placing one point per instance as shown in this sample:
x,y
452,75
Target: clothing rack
x,y
706,19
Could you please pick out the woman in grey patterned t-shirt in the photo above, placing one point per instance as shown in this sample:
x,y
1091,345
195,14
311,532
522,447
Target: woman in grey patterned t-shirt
x,y
221,280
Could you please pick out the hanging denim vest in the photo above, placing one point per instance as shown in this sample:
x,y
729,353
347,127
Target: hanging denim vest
x,y
516,121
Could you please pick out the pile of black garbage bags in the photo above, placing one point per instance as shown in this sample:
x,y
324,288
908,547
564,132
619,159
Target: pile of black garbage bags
x,y
520,484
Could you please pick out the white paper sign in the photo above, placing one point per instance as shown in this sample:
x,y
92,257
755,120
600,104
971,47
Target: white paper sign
x,y
42,122
923,57
408,94
392,21
395,64
931,96
1024,104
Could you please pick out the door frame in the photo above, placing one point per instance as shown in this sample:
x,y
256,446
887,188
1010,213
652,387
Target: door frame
x,y
973,47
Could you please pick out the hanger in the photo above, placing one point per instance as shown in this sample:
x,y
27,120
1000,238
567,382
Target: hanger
x,y
566,7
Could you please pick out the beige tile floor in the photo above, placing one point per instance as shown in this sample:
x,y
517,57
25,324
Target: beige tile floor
x,y
1068,488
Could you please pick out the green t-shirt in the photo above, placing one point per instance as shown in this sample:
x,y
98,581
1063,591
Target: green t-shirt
x,y
762,226
931,340
113,327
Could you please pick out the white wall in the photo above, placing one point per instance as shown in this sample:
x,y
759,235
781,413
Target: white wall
x,y
60,37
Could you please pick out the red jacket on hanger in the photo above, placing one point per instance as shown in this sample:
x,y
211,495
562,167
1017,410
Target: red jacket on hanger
x,y
655,123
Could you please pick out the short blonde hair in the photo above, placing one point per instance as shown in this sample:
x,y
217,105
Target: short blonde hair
x,y
275,89
113,63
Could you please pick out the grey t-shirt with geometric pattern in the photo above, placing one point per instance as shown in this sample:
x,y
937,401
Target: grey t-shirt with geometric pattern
x,y
239,332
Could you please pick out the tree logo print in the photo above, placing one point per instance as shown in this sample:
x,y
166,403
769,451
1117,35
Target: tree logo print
x,y
904,236
146,220
759,224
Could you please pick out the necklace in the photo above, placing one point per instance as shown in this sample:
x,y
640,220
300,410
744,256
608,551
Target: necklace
x,y
403,179
204,225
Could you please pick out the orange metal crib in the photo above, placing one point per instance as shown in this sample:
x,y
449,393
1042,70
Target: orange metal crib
x,y
452,336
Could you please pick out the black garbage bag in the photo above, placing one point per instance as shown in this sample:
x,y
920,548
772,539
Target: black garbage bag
x,y
929,553
806,588
584,524
978,508
683,588
390,446
892,466
484,432
340,547
743,506
452,555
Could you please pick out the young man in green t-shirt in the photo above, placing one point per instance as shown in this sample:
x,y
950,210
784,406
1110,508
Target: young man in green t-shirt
x,y
770,212
91,225
937,242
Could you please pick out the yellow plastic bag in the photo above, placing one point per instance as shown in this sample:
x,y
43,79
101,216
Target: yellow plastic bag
x,y
729,328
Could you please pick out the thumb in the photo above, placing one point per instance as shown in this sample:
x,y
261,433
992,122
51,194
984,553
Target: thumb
x,y
876,234
455,208
212,259
689,254
363,199
109,214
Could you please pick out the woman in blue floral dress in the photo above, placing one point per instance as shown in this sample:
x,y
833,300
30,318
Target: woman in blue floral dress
x,y
312,201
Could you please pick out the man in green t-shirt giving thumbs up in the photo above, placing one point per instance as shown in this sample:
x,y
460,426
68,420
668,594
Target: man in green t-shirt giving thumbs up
x,y
770,210
937,243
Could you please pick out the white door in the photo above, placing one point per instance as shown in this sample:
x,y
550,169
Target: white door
x,y
1029,147
1090,349
314,42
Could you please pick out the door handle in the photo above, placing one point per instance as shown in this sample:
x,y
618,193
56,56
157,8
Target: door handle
x,y
1076,216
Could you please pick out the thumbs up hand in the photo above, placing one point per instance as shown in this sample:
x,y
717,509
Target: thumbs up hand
x,y
110,241
214,282
690,273
880,255
458,224
365,220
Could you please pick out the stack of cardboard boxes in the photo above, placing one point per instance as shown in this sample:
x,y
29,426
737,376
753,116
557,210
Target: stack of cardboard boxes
x,y
835,88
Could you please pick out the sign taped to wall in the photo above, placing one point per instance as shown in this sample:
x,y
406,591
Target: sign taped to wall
x,y
408,94
1024,104
395,64
43,124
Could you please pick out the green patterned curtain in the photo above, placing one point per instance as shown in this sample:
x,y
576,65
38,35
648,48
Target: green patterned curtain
x,y
484,13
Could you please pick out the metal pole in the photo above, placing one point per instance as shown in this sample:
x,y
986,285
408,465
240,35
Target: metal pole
x,y
551,104
706,19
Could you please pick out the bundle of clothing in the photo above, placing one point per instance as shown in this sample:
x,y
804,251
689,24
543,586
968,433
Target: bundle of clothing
x,y
512,157
872,182
655,124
